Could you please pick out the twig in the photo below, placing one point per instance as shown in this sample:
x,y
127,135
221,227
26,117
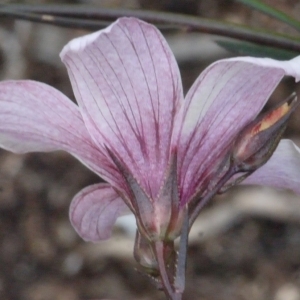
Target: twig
x,y
93,18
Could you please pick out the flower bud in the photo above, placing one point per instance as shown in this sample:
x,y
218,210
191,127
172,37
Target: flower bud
x,y
144,255
259,139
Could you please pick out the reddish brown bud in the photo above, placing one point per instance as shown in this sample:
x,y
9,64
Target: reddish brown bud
x,y
257,142
259,139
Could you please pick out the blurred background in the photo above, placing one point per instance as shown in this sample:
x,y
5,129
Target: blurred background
x,y
245,244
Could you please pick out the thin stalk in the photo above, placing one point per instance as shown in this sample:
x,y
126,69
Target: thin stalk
x,y
194,214
160,256
68,22
179,282
93,18
272,12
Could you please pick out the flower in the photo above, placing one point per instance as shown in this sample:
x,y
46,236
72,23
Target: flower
x,y
158,151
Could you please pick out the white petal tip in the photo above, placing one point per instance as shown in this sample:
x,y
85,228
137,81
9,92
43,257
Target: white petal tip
x,y
80,43
295,66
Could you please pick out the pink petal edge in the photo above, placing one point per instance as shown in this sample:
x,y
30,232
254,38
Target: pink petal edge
x,y
128,86
225,97
94,211
37,117
281,171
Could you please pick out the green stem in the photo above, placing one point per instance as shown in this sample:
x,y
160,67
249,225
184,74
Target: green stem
x,y
179,282
272,12
81,17
194,214
160,256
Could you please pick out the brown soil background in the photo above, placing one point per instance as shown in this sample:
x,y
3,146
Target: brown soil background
x,y
245,245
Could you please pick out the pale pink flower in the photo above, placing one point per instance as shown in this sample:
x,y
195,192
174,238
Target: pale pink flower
x,y
135,129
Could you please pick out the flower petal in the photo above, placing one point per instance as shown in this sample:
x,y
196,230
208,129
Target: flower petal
x,y
128,85
94,211
282,170
224,98
37,117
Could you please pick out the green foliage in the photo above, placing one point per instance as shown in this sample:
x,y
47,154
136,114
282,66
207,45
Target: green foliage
x,y
275,13
245,48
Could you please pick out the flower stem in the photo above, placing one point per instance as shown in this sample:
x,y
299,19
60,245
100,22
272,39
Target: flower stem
x,y
211,193
89,17
159,248
179,282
